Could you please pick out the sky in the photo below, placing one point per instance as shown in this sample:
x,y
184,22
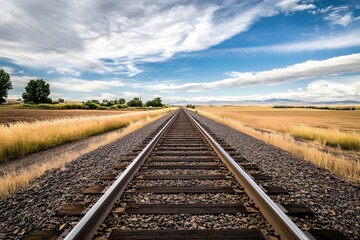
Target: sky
x,y
184,51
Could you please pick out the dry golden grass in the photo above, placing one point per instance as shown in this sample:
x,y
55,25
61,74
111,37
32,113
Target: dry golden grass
x,y
349,170
15,180
19,139
343,120
330,127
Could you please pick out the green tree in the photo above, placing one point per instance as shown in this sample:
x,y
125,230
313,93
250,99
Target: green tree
x,y
92,105
136,102
95,101
5,85
37,91
156,102
61,100
190,106
121,101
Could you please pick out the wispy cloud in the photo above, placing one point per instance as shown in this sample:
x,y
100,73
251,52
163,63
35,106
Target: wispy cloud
x,y
9,70
295,5
75,35
112,96
82,85
19,82
317,91
341,15
306,70
344,40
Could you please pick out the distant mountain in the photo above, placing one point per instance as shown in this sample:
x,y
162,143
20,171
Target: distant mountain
x,y
272,101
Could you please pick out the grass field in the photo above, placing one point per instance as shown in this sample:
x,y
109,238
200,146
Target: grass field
x,y
21,138
11,115
284,127
14,180
326,127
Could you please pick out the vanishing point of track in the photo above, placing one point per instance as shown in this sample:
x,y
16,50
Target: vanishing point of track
x,y
183,152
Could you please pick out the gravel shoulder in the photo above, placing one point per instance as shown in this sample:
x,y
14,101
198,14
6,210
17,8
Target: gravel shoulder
x,y
335,202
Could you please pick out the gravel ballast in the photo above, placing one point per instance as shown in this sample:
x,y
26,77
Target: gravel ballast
x,y
335,202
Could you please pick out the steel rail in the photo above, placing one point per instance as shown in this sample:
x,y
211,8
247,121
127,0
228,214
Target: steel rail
x,y
281,223
87,226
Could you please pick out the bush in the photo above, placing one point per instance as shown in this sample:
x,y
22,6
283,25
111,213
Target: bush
x,y
122,106
76,106
190,106
91,105
156,102
136,102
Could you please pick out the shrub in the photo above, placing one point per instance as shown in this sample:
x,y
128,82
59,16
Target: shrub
x,y
91,105
122,106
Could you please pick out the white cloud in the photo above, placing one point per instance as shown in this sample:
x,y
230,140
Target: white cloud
x,y
344,40
317,91
81,85
112,96
329,90
342,16
129,95
292,5
9,70
132,70
108,96
306,70
337,19
21,81
76,36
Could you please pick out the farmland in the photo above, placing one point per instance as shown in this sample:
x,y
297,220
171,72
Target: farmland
x,y
282,119
10,115
20,138
327,138
326,127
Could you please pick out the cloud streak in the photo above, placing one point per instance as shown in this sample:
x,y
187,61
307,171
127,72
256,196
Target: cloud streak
x,y
344,40
82,85
317,91
342,16
306,70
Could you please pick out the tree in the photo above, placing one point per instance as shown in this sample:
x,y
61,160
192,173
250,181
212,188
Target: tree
x,y
136,102
5,85
91,104
190,106
61,100
37,91
156,102
121,101
95,101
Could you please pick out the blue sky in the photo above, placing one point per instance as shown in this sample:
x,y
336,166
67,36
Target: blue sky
x,y
195,51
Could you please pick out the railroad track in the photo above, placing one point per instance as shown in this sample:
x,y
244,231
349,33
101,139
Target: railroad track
x,y
184,184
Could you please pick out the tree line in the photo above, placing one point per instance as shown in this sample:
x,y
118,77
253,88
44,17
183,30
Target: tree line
x,y
37,91
319,107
